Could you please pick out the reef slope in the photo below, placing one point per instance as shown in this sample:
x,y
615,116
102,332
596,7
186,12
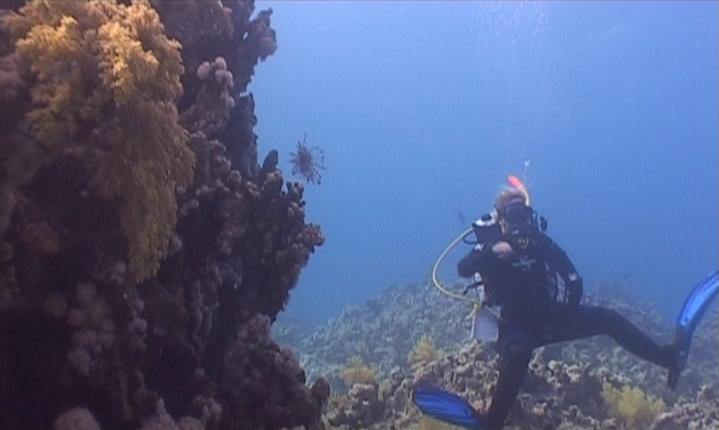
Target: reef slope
x,y
373,355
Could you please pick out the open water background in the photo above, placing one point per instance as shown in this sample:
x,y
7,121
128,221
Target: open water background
x,y
423,108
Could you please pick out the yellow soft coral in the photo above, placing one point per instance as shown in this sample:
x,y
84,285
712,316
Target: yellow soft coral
x,y
631,404
62,87
106,81
357,372
423,352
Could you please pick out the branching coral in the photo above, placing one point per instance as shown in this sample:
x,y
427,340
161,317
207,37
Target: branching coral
x,y
423,352
631,404
205,29
255,40
106,79
212,107
358,372
231,35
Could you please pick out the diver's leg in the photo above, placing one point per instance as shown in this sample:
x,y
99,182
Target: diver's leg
x,y
584,321
515,352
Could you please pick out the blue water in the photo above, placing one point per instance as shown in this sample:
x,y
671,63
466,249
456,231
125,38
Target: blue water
x,y
424,108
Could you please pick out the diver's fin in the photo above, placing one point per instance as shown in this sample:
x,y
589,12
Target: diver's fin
x,y
447,407
694,307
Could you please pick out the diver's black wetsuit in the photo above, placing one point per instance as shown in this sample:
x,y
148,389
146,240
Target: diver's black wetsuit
x,y
521,283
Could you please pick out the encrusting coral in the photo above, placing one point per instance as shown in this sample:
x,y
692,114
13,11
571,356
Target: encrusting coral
x,y
144,251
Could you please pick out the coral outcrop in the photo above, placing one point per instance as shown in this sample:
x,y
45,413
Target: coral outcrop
x,y
144,251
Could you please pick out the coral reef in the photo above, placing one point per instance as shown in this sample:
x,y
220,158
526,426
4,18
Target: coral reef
x,y
693,414
359,409
567,386
382,333
144,251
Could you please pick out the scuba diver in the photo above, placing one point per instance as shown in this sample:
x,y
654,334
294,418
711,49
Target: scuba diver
x,y
518,264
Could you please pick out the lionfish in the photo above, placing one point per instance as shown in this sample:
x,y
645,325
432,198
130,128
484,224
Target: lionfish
x,y
308,162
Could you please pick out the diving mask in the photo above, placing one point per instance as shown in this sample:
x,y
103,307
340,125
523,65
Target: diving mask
x,y
517,214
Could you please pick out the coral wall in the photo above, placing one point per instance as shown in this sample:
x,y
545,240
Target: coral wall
x,y
144,252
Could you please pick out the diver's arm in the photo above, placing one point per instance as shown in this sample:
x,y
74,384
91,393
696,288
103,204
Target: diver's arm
x,y
469,265
559,261
473,262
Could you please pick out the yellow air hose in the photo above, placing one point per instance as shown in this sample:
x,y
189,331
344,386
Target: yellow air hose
x,y
435,278
476,304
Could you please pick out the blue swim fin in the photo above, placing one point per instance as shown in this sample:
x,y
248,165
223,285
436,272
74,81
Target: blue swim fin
x,y
694,307
447,407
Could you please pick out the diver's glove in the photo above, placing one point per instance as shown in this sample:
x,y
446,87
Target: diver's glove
x,y
575,289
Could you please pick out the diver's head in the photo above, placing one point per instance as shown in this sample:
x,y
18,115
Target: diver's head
x,y
513,211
